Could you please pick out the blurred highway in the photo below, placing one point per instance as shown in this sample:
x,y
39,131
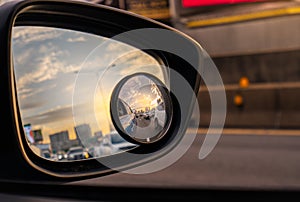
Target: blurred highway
x,y
265,159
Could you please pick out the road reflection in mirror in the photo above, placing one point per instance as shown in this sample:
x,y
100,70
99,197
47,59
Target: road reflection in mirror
x,y
142,115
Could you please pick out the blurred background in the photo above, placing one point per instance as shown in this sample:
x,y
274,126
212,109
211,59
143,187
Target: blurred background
x,y
255,45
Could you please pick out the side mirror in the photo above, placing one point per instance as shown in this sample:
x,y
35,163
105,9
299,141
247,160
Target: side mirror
x,y
75,74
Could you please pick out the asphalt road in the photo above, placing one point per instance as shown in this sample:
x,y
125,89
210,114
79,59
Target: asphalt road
x,y
249,161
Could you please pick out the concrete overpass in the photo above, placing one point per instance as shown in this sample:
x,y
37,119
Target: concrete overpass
x,y
265,48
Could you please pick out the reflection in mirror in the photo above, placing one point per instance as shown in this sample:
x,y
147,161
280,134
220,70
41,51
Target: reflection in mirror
x,y
141,108
64,82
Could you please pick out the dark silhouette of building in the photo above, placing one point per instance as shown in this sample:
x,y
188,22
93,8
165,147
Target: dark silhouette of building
x,y
59,141
83,132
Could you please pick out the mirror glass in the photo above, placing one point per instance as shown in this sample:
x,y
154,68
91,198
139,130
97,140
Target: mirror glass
x,y
64,81
141,108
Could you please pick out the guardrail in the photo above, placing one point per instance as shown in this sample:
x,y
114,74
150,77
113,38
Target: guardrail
x,y
264,106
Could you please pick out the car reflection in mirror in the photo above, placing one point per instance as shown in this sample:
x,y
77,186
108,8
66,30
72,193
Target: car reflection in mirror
x,y
110,144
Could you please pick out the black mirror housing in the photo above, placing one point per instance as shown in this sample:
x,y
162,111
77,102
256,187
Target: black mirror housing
x,y
21,163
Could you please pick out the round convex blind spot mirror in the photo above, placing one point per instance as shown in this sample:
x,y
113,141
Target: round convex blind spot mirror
x,y
141,108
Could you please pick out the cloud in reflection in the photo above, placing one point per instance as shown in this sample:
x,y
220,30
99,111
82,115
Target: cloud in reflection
x,y
24,36
78,39
57,114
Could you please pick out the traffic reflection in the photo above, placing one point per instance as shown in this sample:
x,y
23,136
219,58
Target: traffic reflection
x,y
141,104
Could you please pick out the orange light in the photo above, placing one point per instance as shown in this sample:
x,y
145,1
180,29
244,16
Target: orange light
x,y
244,82
238,100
